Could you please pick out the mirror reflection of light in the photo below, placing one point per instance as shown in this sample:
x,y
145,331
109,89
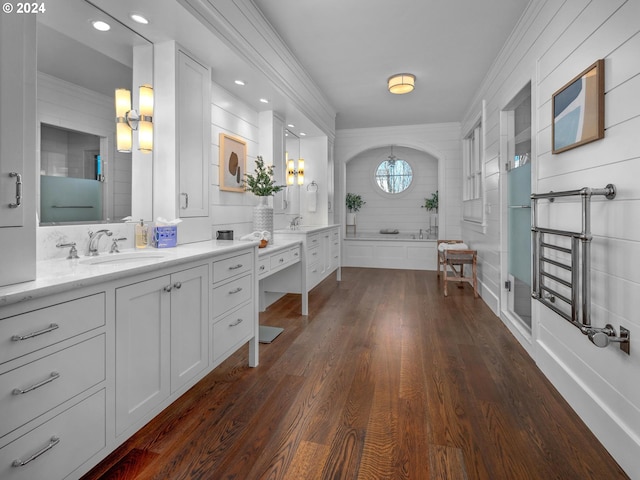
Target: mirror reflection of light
x,y
101,26
136,17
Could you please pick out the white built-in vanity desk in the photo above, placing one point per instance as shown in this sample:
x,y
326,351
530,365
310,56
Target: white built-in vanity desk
x,y
297,262
89,353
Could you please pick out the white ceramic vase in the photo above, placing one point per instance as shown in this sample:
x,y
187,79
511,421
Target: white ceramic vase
x,y
263,217
351,218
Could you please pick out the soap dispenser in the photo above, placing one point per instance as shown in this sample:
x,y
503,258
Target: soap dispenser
x,y
141,234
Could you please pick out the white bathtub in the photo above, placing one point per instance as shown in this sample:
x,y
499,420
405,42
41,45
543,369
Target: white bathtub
x,y
404,250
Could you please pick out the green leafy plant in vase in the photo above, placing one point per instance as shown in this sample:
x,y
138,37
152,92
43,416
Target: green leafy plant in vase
x,y
431,204
354,203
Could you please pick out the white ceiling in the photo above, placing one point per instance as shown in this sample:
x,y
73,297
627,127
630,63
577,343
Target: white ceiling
x,y
351,47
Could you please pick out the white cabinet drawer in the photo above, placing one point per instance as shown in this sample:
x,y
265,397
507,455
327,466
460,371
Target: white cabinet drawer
x,y
314,275
231,331
313,241
279,259
230,267
39,386
313,255
231,294
264,266
73,436
294,254
31,331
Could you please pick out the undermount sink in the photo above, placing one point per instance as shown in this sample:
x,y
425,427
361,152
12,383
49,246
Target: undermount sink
x,y
122,258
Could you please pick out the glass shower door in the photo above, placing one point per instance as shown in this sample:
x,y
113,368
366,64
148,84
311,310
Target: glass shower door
x,y
519,235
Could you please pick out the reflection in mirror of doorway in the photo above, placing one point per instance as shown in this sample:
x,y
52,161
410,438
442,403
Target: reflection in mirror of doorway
x,y
71,176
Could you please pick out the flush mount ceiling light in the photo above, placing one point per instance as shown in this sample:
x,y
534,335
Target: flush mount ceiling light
x,y
401,83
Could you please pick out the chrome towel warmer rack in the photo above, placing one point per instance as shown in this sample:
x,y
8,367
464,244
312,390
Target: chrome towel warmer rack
x,y
578,266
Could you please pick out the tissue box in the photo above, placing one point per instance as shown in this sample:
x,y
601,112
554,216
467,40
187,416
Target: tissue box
x,y
165,236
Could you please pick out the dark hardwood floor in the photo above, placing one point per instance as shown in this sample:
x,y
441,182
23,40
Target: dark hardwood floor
x,y
386,379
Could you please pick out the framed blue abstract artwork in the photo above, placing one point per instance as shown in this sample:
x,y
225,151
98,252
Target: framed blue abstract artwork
x,y
578,110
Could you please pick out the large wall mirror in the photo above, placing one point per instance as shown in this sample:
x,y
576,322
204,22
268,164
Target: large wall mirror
x,y
82,178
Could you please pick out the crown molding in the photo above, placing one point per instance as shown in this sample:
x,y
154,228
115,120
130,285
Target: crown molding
x,y
245,30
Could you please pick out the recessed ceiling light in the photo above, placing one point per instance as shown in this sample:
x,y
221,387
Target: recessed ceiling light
x,y
240,82
302,134
136,17
264,100
101,26
291,125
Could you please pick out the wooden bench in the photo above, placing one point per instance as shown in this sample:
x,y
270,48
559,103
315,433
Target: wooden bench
x,y
453,255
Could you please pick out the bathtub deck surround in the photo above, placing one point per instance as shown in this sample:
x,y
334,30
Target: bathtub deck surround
x,y
402,250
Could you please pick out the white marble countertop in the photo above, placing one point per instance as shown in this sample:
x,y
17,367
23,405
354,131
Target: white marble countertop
x,y
303,230
59,275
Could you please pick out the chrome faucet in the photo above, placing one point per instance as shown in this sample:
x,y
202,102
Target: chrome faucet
x,y
421,236
94,240
295,223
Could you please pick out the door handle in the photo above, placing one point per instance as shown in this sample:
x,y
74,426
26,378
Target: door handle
x,y
18,190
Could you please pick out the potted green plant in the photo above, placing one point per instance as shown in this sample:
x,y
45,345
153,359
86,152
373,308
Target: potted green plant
x,y
432,204
354,203
263,185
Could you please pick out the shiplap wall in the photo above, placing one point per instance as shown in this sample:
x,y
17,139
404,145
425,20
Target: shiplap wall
x,y
440,141
233,210
553,42
401,211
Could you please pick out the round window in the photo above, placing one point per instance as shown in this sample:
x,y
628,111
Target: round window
x,y
394,176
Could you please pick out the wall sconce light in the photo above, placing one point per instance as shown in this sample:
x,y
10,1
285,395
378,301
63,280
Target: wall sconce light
x,y
128,120
292,172
401,83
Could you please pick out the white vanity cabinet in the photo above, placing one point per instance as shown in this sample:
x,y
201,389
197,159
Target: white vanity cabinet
x,y
160,339
86,362
321,251
17,147
53,375
233,311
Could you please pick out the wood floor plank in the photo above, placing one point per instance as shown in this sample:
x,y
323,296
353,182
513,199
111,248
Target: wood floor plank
x,y
386,378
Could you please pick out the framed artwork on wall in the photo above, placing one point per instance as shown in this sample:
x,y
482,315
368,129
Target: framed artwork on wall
x,y
233,163
578,110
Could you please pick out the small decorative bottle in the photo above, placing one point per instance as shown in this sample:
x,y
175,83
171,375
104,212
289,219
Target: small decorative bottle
x,y
141,234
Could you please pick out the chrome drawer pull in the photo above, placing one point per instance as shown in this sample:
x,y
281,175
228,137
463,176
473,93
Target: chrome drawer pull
x,y
178,285
52,443
51,328
236,323
237,290
235,267
261,268
281,260
52,377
